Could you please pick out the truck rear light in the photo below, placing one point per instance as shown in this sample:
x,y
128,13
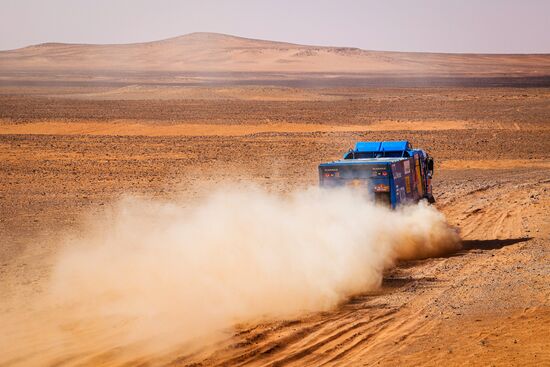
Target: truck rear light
x,y
381,188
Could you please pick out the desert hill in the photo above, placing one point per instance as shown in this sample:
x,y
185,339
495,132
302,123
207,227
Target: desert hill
x,y
212,52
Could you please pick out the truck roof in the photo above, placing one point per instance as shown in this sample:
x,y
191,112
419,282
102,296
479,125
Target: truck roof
x,y
382,146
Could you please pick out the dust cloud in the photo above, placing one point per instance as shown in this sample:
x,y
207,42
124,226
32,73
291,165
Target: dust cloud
x,y
171,273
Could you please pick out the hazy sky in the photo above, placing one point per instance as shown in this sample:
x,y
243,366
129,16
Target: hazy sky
x,y
495,26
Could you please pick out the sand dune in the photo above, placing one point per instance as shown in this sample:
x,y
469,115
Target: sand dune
x,y
211,52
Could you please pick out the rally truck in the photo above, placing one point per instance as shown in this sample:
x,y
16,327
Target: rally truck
x,y
391,173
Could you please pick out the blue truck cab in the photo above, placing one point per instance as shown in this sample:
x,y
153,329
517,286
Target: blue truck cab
x,y
392,173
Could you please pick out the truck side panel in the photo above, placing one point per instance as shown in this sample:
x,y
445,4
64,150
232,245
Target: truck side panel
x,y
405,179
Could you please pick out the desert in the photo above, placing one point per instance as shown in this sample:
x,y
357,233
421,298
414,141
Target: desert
x,y
131,149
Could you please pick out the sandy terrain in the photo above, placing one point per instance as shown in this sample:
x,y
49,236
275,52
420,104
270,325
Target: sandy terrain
x,y
64,160
83,128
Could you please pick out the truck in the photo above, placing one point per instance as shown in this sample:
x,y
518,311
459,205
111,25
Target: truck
x,y
391,173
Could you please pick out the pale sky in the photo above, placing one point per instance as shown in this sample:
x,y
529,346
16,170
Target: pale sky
x,y
485,26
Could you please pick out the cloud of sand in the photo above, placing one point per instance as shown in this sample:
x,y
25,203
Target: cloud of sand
x,y
176,272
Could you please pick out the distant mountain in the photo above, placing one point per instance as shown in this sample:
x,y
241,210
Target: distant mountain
x,y
212,52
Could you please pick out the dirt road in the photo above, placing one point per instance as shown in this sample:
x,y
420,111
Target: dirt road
x,y
487,304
